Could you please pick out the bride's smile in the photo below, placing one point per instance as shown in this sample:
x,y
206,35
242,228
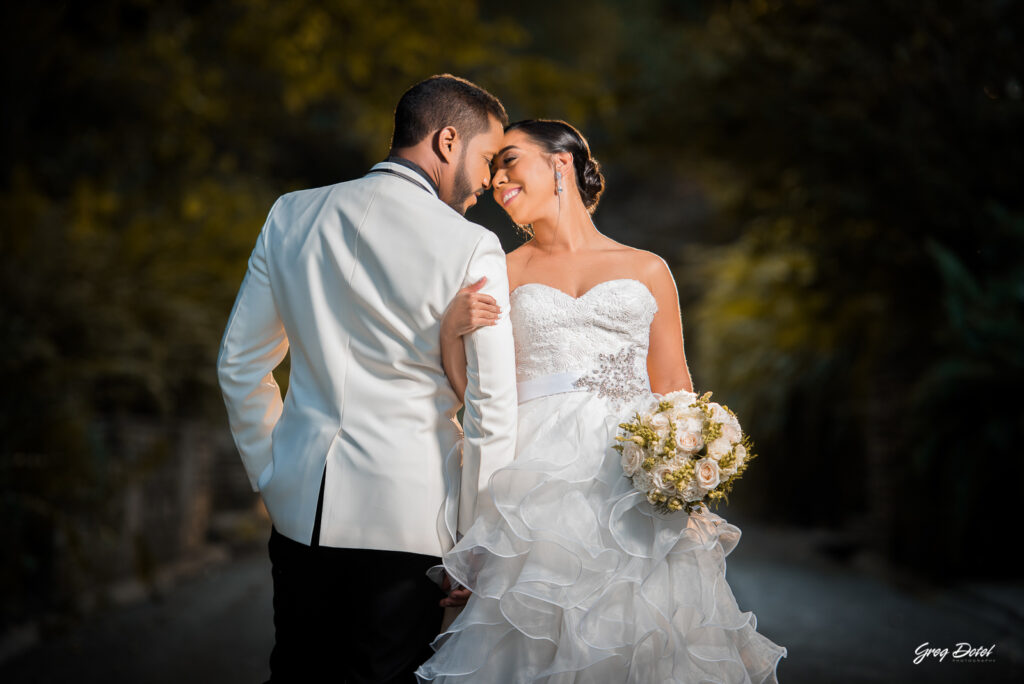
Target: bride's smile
x,y
524,182
509,195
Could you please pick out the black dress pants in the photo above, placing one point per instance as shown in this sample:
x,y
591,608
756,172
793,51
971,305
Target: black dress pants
x,y
350,615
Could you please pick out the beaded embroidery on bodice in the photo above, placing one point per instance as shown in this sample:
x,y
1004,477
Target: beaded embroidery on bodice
x,y
602,335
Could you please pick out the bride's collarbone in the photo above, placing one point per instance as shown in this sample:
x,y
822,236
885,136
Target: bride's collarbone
x,y
588,277
578,293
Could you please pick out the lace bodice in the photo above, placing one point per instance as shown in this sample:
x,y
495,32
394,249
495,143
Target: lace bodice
x,y
601,336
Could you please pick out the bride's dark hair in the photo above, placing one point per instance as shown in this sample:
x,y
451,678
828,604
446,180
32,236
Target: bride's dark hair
x,y
558,136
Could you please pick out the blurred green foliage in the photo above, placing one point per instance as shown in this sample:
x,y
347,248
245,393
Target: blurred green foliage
x,y
143,143
836,185
862,166
877,150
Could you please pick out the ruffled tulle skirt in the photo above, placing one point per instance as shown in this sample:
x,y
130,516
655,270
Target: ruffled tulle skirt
x,y
576,578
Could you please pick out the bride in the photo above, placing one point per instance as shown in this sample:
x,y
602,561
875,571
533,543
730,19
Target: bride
x,y
574,575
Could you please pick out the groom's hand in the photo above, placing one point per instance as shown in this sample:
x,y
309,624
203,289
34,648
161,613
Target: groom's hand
x,y
469,310
456,598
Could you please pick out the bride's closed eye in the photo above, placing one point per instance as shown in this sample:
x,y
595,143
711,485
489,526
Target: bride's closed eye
x,y
503,161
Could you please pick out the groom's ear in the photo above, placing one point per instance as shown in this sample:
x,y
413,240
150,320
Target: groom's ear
x,y
446,143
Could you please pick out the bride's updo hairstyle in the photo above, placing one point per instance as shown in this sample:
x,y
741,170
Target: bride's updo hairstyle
x,y
557,136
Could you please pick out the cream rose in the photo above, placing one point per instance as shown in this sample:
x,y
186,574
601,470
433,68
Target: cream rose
x,y
740,452
707,473
632,457
689,441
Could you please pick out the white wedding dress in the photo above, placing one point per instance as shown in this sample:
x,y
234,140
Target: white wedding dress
x,y
575,577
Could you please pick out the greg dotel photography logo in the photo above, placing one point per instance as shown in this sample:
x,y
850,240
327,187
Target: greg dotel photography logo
x,y
962,652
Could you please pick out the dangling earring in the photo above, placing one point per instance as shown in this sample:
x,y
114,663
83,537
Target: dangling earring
x,y
558,179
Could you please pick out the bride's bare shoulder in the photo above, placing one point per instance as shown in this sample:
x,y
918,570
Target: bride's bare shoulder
x,y
521,251
648,265
653,265
516,259
657,274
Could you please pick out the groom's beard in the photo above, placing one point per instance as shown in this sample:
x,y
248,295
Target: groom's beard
x,y
462,189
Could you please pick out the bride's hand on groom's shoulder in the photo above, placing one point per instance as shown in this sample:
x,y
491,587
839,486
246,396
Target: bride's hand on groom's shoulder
x,y
469,310
456,597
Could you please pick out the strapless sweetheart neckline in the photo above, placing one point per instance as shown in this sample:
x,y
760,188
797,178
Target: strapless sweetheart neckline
x,y
600,284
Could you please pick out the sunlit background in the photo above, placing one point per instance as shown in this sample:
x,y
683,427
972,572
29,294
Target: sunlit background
x,y
836,185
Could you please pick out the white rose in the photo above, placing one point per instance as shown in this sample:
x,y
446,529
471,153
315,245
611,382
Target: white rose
x,y
683,412
718,414
708,475
690,422
689,441
660,423
741,454
632,457
659,473
731,433
729,422
719,448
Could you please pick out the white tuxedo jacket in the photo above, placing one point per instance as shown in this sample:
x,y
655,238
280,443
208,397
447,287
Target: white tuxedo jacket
x,y
354,278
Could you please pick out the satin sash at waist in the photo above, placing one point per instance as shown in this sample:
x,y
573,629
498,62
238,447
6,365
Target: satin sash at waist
x,y
556,383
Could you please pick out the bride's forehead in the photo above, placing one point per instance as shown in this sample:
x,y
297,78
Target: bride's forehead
x,y
517,138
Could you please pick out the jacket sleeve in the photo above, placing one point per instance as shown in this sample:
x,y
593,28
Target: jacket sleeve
x,y
490,417
254,343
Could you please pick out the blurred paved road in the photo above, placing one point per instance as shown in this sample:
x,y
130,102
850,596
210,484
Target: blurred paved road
x,y
839,625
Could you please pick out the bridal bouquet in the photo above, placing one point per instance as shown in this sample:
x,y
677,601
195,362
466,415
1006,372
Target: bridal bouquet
x,y
684,451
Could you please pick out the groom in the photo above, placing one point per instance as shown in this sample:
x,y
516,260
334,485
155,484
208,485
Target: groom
x,y
359,465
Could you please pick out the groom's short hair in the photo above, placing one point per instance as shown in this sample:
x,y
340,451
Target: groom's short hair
x,y
440,101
